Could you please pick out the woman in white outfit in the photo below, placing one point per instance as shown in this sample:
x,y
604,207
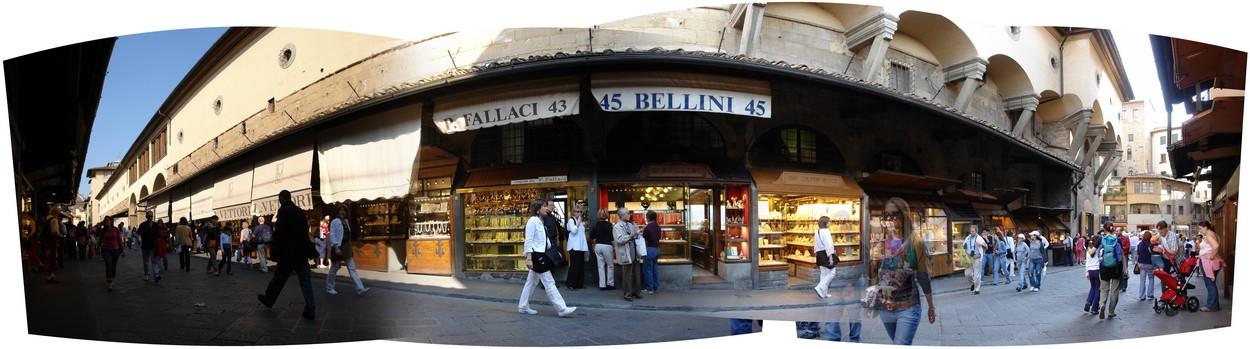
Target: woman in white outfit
x,y
824,242
341,234
536,242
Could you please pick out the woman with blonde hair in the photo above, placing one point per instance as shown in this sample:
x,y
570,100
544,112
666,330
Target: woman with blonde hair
x,y
601,239
900,310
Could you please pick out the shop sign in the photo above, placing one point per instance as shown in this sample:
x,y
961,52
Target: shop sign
x,y
234,213
676,171
628,99
544,179
506,111
270,205
810,179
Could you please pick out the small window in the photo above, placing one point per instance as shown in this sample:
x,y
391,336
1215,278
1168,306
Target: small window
x,y
1163,158
217,105
286,56
900,77
1163,140
1130,137
1180,210
1130,155
976,181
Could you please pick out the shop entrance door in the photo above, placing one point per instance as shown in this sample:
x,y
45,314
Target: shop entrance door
x,y
704,221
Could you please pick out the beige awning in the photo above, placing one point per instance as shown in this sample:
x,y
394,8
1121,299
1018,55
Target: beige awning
x,y
233,189
370,158
289,169
201,197
159,206
182,203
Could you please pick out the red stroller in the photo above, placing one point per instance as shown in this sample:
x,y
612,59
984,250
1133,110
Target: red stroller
x,y
1177,287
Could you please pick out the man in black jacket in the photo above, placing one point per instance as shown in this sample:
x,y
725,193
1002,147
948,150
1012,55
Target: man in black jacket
x,y
147,242
292,248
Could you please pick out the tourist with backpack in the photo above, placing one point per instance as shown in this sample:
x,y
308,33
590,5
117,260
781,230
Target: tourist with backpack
x,y
989,259
1110,257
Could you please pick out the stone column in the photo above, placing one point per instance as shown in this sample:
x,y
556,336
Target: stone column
x,y
1027,104
752,21
969,74
1081,120
877,31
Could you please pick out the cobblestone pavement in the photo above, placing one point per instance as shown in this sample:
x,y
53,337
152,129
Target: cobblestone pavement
x,y
195,308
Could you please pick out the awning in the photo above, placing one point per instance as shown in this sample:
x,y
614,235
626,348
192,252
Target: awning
x,y
538,174
986,210
897,181
962,211
1230,188
370,158
201,197
876,201
969,195
1026,224
159,206
288,169
681,92
773,181
506,104
1214,134
182,203
1053,224
232,190
436,162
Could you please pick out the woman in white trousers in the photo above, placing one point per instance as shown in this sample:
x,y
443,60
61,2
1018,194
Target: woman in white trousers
x,y
824,242
536,242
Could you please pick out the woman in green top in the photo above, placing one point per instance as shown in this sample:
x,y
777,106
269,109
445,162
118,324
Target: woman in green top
x,y
900,309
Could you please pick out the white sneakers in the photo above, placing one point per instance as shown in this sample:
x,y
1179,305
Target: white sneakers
x,y
332,292
567,312
821,293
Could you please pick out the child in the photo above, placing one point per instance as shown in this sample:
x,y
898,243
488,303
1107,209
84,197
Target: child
x,y
1091,274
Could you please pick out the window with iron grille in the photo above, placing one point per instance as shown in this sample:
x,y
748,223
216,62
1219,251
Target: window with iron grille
x,y
976,181
533,142
900,77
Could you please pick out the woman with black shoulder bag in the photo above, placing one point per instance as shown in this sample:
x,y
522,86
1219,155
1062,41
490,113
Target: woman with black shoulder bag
x,y
825,254
536,244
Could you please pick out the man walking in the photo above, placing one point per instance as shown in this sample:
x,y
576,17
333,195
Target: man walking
x,y
263,236
147,242
292,249
183,236
975,247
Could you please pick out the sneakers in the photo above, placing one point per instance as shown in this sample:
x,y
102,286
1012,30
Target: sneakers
x,y
1018,288
568,311
362,292
1035,289
976,292
820,294
1204,309
332,292
527,311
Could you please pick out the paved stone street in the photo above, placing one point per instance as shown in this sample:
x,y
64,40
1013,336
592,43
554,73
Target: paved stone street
x,y
194,308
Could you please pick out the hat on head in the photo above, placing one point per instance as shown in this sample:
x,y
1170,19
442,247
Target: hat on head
x,y
1035,233
1019,236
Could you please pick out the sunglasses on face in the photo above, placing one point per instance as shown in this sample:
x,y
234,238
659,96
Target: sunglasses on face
x,y
892,216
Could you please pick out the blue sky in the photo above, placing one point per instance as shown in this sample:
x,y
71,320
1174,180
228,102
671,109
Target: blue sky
x,y
144,69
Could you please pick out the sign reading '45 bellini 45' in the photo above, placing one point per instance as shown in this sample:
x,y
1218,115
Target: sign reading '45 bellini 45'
x,y
624,99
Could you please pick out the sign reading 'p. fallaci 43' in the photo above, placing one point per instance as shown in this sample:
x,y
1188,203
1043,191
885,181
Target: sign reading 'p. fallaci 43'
x,y
625,99
503,111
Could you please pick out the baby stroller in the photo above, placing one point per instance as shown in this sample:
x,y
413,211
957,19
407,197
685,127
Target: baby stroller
x,y
1177,287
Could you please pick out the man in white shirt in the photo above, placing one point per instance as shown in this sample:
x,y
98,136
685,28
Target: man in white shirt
x,y
975,247
1011,256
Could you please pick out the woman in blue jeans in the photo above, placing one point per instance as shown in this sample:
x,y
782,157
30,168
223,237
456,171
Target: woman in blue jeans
x,y
1210,263
900,313
650,262
1037,260
1146,264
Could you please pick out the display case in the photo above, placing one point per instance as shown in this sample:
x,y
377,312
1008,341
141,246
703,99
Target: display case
x,y
674,240
429,242
928,223
679,232
382,219
789,223
735,241
494,228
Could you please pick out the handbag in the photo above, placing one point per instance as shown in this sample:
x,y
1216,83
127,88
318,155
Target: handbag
x,y
641,246
826,260
546,261
1136,269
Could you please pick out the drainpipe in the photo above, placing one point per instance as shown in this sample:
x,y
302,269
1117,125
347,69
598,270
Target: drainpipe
x,y
1076,199
1065,40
